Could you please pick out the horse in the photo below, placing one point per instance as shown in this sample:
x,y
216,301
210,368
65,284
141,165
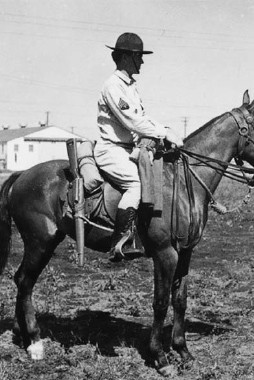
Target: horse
x,y
33,200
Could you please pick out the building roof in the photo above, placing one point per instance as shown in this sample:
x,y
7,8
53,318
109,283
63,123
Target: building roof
x,y
11,134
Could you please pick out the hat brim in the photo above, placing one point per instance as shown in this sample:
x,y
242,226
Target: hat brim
x,y
134,51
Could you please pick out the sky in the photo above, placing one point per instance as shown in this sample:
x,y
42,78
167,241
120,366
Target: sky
x,y
54,60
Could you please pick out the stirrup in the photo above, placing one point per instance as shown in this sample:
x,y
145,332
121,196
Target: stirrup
x,y
119,253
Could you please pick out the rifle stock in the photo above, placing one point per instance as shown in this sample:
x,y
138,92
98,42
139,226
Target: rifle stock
x,y
78,191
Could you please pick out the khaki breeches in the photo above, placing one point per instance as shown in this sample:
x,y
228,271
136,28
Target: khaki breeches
x,y
114,161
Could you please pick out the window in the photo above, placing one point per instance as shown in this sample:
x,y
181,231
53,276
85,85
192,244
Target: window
x,y
30,148
16,148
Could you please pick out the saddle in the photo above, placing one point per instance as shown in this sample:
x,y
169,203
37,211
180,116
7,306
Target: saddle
x,y
101,205
101,197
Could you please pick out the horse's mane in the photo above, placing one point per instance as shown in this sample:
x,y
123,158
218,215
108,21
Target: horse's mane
x,y
206,125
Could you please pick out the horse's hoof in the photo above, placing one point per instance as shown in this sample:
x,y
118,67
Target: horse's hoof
x,y
187,361
36,351
186,365
168,371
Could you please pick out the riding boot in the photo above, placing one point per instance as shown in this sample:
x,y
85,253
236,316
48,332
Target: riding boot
x,y
123,241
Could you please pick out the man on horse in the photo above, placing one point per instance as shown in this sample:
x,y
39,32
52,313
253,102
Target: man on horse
x,y
122,121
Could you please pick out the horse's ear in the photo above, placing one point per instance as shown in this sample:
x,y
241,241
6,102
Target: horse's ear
x,y
246,97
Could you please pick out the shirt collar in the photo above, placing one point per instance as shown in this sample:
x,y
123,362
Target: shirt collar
x,y
124,77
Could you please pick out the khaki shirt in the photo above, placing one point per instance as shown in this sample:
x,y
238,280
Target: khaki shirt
x,y
121,114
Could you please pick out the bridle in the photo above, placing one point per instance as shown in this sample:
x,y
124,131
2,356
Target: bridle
x,y
245,121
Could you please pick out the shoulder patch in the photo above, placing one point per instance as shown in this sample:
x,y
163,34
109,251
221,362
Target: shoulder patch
x,y
123,105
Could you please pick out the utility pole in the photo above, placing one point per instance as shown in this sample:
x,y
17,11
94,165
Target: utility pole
x,y
185,120
47,118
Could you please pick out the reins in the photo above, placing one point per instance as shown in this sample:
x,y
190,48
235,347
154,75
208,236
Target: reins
x,y
184,154
243,120
208,161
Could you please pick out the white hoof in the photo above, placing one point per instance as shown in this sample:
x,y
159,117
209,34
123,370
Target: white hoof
x,y
168,371
36,350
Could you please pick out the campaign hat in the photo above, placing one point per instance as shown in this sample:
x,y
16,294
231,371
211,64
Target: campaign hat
x,y
129,42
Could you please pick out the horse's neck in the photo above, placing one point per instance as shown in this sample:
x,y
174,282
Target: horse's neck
x,y
217,140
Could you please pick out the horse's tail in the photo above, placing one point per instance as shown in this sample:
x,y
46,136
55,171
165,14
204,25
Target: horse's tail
x,y
5,220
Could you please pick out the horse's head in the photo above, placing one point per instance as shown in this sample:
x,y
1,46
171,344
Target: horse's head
x,y
244,118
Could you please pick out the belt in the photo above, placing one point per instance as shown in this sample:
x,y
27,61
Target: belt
x,y
121,144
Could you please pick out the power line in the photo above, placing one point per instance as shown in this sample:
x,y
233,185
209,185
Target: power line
x,y
158,44
47,84
92,23
161,33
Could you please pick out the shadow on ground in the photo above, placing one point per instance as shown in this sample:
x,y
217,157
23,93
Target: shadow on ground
x,y
106,331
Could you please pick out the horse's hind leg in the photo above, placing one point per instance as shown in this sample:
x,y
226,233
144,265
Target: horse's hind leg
x,y
37,255
179,302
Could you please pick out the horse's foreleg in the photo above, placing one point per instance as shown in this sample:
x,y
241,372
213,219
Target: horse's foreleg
x,y
179,302
165,262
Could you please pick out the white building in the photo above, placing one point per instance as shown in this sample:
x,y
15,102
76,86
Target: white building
x,y
25,147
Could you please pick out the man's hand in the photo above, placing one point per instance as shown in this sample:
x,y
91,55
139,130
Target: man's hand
x,y
173,138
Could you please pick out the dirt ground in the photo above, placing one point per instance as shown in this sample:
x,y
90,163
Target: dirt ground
x,y
95,321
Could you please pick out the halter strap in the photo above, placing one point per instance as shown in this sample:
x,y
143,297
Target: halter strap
x,y
244,121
